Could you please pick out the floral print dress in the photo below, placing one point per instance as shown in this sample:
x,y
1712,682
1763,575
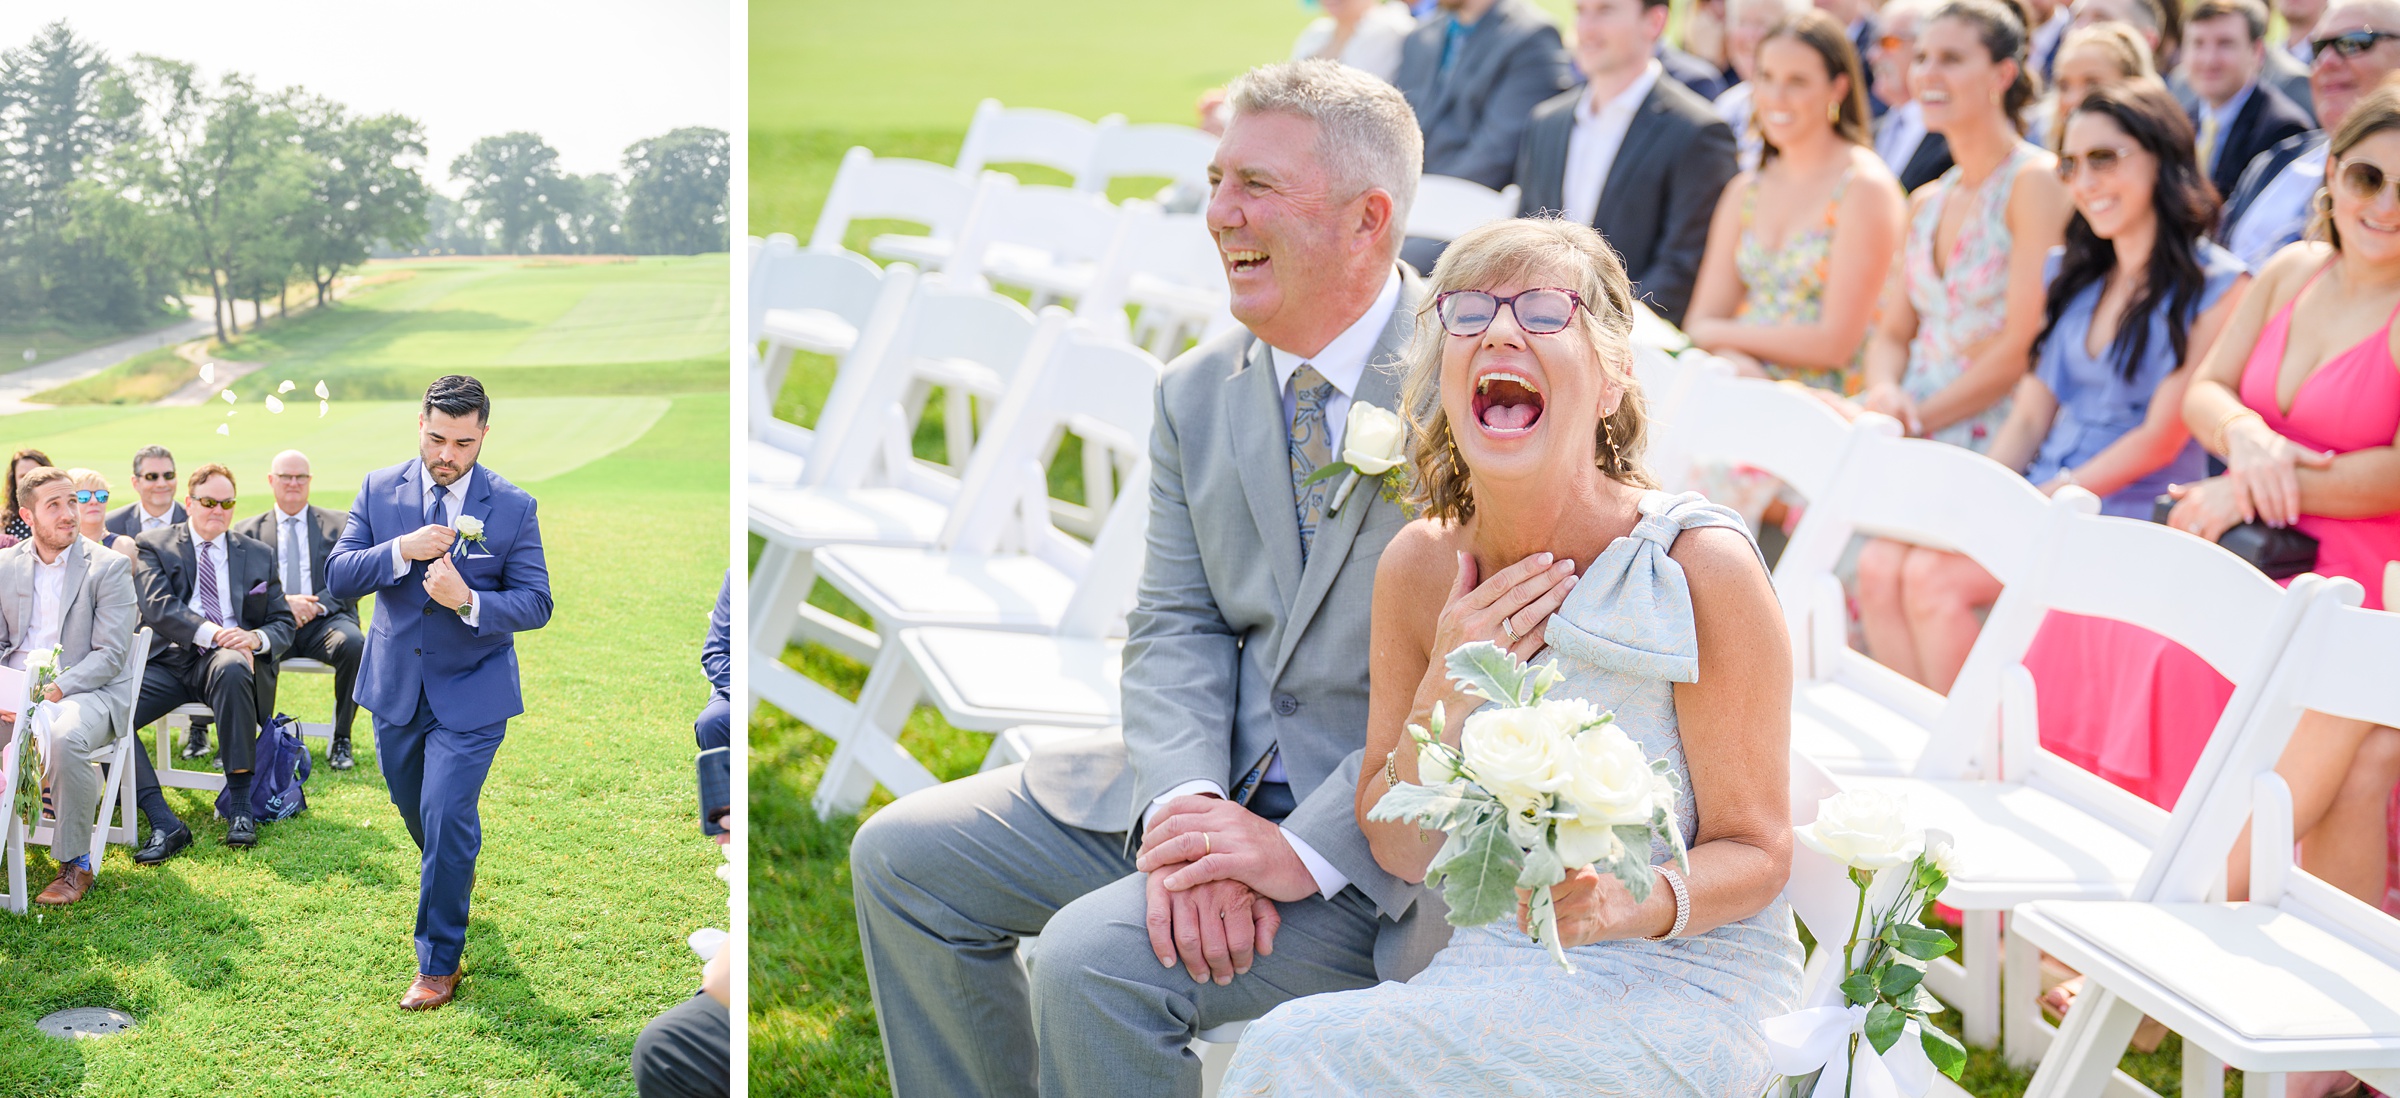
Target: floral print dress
x,y
1961,303
1786,285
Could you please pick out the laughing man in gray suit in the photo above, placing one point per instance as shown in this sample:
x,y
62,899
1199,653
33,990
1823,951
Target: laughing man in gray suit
x,y
1245,681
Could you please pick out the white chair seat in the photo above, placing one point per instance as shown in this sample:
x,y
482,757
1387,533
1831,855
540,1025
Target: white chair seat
x,y
924,251
810,517
772,464
1848,732
910,587
988,681
816,331
2014,839
1018,265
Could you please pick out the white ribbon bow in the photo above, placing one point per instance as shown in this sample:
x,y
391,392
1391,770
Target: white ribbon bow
x,y
1806,1040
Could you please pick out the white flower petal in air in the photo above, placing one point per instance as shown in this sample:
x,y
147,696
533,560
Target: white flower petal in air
x,y
321,407
286,387
274,405
227,394
208,373
224,428
322,393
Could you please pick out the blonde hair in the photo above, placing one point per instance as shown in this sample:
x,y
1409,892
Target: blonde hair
x,y
2378,111
88,479
1550,250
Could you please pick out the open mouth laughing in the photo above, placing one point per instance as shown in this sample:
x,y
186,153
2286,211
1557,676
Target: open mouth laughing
x,y
1506,404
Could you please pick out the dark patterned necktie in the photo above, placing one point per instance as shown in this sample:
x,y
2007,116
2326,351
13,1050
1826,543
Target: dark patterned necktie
x,y
205,586
1310,446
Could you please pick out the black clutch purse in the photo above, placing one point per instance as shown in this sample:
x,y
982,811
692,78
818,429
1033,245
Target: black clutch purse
x,y
2281,553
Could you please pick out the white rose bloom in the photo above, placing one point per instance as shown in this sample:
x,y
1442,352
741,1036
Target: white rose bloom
x,y
1944,856
1581,844
1433,765
1609,782
1372,439
1863,829
1515,754
1570,714
470,526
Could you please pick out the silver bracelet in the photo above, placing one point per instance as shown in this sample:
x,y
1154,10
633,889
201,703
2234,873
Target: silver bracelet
x,y
1683,903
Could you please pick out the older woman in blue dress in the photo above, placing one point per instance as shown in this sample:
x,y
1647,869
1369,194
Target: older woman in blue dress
x,y
1543,533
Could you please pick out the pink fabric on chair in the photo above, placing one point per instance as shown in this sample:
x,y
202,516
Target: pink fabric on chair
x,y
2124,702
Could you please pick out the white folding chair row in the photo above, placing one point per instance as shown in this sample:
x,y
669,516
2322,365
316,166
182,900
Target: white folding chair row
x,y
1447,207
868,187
1145,150
1029,135
779,450
2300,977
1008,622
1056,242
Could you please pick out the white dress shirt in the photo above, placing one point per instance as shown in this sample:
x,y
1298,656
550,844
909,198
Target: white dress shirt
x,y
291,531
2279,214
222,565
49,607
454,497
1592,145
152,522
1903,130
1343,362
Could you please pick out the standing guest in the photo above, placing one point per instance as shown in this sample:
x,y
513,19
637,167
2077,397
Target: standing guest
x,y
1960,315
2103,55
1799,246
24,462
440,673
2237,115
219,622
1472,72
1913,154
1245,710
1706,80
91,512
2302,400
1638,157
1751,20
57,590
2357,46
1704,37
154,503
303,535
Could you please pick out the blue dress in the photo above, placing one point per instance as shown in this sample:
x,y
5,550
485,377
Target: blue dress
x,y
2097,405
1493,1013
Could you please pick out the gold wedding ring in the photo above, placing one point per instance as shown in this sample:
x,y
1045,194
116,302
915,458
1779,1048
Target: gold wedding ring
x,y
1208,844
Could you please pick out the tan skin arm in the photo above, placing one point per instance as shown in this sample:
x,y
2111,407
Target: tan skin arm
x,y
1867,234
2038,208
1887,346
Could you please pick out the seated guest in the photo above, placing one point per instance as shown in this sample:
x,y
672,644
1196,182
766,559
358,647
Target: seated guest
x,y
2299,25
302,533
1704,36
1638,157
2237,115
59,590
1751,20
1799,246
1916,156
2357,47
216,607
154,503
1363,34
1473,72
24,462
2103,55
2302,400
91,512
1706,80
1956,332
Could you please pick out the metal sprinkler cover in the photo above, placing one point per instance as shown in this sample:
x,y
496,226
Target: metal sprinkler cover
x,y
78,1022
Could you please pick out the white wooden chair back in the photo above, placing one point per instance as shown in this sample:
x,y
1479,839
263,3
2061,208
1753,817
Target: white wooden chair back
x,y
1176,278
1447,207
1026,135
842,284
891,189
1147,150
968,341
859,379
1069,226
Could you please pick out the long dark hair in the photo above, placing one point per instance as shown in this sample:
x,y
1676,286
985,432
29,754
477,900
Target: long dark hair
x,y
1818,31
2186,208
2000,26
37,457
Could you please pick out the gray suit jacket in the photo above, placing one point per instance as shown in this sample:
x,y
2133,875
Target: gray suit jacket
x,y
1473,119
127,520
1234,645
95,633
1660,191
324,526
2287,75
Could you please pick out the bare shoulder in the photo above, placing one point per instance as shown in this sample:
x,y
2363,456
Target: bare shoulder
x,y
1873,187
2284,273
2037,191
1421,561
1721,561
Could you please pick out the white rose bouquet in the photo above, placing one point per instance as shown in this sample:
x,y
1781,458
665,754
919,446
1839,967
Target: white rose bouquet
x,y
1856,1040
1534,790
1374,443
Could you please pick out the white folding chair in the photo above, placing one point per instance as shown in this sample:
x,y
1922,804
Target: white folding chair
x,y
1447,206
1028,135
868,187
116,795
814,301
1056,242
2300,977
1009,622
322,730
1147,150
780,450
1177,280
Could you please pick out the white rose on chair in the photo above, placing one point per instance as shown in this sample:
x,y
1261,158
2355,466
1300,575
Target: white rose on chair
x,y
1374,441
1863,829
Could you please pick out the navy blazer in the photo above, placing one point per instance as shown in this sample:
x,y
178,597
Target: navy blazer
x,y
468,674
716,653
1473,118
2265,120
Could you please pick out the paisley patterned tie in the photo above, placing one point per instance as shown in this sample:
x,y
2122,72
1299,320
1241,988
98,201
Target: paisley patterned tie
x,y
1311,446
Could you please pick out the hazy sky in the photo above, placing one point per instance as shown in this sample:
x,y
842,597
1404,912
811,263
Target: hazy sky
x,y
591,77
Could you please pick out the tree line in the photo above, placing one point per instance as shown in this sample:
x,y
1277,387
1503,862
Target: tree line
x,y
124,184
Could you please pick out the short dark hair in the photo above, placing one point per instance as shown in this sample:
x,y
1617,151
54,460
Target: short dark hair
x,y
457,395
2253,13
1649,4
153,450
25,486
205,473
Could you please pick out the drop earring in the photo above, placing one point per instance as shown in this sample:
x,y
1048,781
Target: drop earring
x,y
1833,113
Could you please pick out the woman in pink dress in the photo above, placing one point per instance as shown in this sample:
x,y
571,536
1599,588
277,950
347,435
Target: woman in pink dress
x,y
2302,400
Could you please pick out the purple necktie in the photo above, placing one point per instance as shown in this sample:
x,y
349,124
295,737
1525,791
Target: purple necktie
x,y
205,590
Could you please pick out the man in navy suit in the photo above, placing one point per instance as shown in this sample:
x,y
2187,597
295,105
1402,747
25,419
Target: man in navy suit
x,y
453,554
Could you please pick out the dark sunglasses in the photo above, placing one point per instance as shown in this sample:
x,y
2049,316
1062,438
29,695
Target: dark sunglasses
x,y
91,495
2363,181
154,478
219,504
2102,161
2348,44
1539,312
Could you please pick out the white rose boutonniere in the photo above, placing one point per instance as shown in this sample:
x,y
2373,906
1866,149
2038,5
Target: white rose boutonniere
x,y
470,531
1374,443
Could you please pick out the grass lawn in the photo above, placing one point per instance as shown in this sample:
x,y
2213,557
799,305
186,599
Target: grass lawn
x,y
276,970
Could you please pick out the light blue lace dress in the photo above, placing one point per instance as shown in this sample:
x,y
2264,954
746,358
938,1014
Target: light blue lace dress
x,y
1493,1014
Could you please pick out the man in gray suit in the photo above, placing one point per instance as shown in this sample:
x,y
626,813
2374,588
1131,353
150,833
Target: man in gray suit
x,y
1245,683
1473,72
58,590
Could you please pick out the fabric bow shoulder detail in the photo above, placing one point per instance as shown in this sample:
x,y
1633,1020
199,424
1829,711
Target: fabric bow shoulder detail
x,y
1632,611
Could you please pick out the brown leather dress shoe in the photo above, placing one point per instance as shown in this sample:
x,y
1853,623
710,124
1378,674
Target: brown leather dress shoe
x,y
72,883
431,992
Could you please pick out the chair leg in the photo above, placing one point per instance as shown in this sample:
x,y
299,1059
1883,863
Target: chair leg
x,y
2203,1073
2084,1055
1980,953
2264,1084
880,715
12,851
2022,1036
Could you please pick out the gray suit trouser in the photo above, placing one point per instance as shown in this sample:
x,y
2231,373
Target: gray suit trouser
x,y
80,735
948,879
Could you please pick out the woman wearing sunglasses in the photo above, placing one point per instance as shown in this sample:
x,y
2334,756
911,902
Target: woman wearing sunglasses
x,y
91,511
1959,317
25,461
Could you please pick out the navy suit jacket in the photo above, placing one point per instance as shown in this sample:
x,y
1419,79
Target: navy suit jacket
x,y
2265,120
127,520
468,674
1473,117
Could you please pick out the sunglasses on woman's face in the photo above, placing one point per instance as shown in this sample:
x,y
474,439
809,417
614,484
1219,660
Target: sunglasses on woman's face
x,y
90,495
2349,44
1538,312
2102,161
2363,181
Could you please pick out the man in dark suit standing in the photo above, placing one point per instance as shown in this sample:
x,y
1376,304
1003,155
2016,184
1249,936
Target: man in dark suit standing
x,y
302,535
454,555
213,601
2236,115
1473,72
1633,154
154,487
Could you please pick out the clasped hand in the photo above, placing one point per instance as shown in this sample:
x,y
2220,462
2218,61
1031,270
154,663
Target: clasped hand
x,y
1215,871
1592,907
